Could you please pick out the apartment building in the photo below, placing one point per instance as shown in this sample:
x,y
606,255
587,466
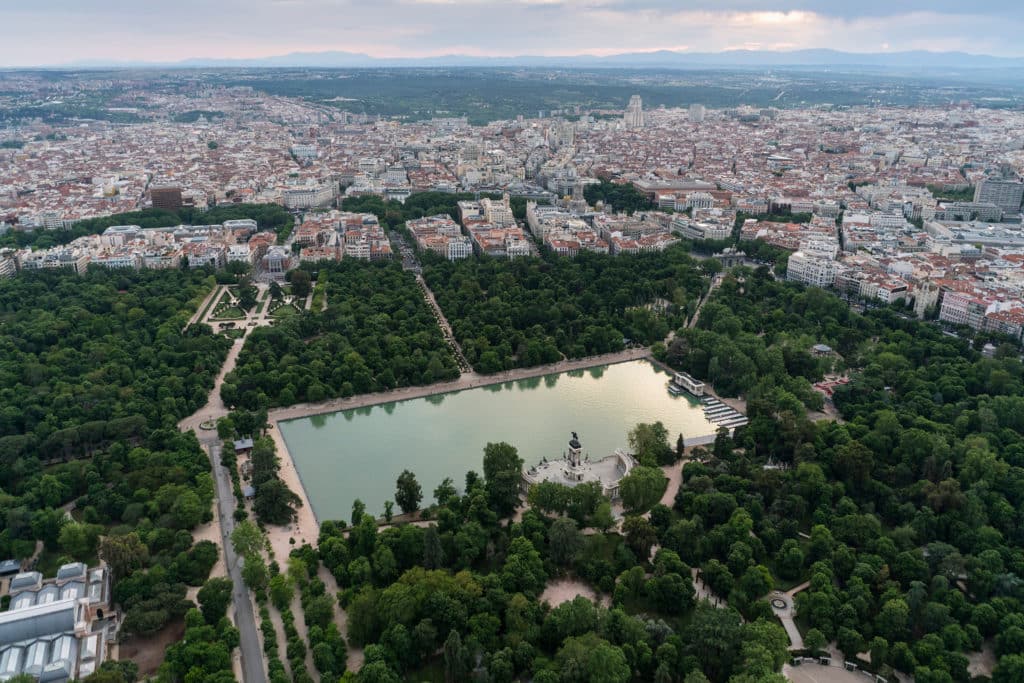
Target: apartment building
x,y
811,270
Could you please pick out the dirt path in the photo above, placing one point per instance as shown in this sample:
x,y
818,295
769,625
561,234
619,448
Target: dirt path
x,y
442,322
558,591
214,407
355,654
305,528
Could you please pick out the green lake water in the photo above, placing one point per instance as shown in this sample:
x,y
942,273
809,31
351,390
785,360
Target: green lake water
x,y
359,453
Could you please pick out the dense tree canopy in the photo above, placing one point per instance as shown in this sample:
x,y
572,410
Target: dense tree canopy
x,y
529,311
376,334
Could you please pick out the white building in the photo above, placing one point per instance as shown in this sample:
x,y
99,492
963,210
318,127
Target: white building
x,y
634,116
240,253
308,197
459,247
304,152
811,270
699,200
498,213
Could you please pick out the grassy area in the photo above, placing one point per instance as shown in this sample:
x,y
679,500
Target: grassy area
x,y
236,333
286,311
213,301
229,313
319,291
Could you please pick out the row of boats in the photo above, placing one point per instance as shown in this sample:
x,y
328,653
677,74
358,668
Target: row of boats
x,y
715,411
723,415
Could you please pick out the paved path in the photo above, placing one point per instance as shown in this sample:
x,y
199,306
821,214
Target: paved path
x,y
787,612
702,592
251,649
245,620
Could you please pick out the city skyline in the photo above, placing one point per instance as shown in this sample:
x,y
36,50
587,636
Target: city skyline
x,y
59,32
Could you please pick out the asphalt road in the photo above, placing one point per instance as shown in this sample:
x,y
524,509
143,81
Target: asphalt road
x,y
245,620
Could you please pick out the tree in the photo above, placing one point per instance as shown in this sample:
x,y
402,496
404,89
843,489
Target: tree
x,y
123,554
275,503
445,492
389,511
79,540
214,598
680,447
642,488
849,641
1009,669
358,510
282,590
456,660
247,539
502,476
408,493
255,574
301,283
602,518
591,659
649,443
564,540
433,552
640,535
815,641
790,560
188,510
893,620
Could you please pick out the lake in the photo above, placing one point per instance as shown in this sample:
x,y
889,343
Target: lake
x,y
359,453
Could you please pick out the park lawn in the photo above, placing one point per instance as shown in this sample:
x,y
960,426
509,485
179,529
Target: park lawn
x,y
286,311
229,313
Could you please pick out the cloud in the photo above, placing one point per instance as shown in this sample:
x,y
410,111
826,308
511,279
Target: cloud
x,y
55,31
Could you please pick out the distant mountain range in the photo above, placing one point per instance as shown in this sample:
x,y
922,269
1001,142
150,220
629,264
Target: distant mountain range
x,y
666,59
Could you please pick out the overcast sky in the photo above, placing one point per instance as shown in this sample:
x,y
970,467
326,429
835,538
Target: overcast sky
x,y
61,31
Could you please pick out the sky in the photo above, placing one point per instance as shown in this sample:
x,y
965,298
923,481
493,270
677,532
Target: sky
x,y
53,32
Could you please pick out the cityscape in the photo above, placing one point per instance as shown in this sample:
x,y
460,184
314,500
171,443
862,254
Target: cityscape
x,y
885,203
622,342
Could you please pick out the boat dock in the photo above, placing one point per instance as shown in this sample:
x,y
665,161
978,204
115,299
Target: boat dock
x,y
723,415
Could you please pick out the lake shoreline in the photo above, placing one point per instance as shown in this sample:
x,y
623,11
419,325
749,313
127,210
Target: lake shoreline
x,y
466,381
308,523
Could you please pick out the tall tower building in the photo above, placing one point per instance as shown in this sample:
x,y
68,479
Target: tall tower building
x,y
634,116
1006,193
696,113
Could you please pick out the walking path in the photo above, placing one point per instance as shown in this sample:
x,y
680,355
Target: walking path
x,y
784,606
466,381
446,328
715,281
203,306
214,407
702,592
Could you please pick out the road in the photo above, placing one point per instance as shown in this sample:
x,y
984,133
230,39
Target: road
x,y
245,620
251,649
